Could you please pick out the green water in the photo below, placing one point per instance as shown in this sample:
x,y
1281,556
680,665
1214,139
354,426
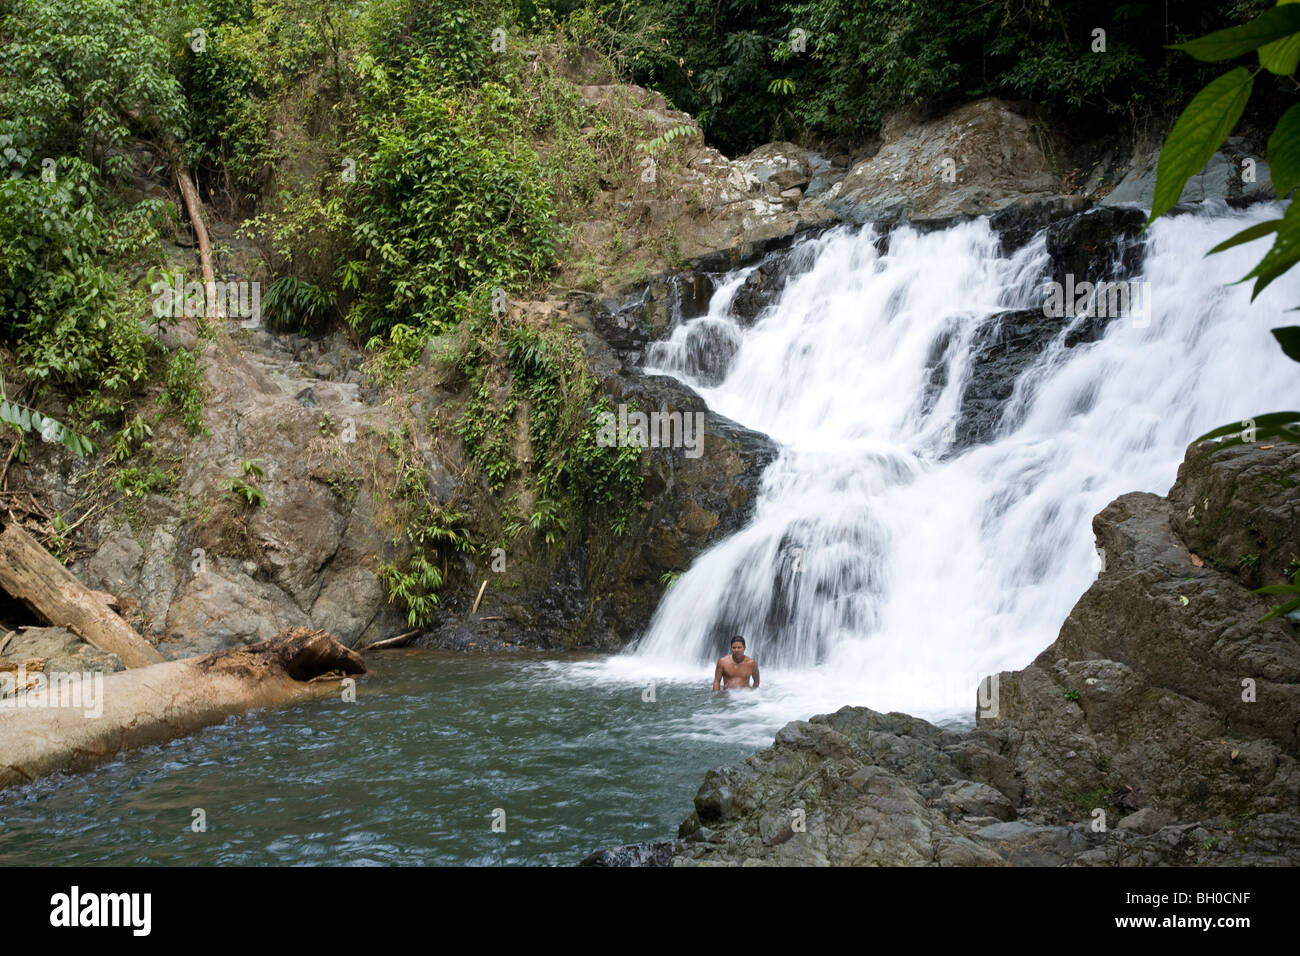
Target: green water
x,y
410,773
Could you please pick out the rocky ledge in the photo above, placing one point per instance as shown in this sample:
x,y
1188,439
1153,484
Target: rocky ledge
x,y
1160,728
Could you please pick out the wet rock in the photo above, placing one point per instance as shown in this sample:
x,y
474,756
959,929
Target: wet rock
x,y
639,854
1094,245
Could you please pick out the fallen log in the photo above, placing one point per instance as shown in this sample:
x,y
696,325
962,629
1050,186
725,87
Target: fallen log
x,y
94,721
32,575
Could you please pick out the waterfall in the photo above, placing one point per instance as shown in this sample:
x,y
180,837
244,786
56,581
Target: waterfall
x,y
883,566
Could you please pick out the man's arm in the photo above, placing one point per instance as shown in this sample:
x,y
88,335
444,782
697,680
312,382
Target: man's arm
x,y
755,675
717,676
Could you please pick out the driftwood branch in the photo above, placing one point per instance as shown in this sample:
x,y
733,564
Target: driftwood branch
x,y
399,641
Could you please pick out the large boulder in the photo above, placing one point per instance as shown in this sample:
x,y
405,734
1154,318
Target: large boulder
x,y
978,159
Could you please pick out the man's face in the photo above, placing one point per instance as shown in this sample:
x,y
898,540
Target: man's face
x,y
737,651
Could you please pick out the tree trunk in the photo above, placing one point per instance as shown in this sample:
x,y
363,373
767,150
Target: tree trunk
x,y
29,573
194,207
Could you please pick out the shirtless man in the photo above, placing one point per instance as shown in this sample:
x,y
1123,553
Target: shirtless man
x,y
735,668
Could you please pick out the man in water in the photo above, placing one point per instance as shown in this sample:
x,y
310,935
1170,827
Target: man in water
x,y
735,669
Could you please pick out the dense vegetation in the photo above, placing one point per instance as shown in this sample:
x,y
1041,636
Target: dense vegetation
x,y
78,79
390,155
754,71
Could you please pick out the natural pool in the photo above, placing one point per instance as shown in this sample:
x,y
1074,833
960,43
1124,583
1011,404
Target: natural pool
x,y
411,773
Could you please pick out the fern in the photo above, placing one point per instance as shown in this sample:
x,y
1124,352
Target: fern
x,y
291,302
27,419
677,132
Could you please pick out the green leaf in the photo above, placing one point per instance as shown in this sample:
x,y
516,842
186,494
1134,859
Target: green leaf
x,y
1248,234
1200,130
1284,152
1280,425
1269,26
1281,256
1281,56
1286,608
1289,338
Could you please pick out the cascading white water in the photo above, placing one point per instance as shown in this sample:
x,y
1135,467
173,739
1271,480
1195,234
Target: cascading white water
x,y
873,572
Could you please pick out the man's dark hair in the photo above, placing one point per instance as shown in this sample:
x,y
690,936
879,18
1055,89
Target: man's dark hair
x,y
738,638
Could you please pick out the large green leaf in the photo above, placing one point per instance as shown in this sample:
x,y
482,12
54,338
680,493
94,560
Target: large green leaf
x,y
1281,426
1250,233
1269,26
1281,256
1289,338
1281,56
1200,130
1284,152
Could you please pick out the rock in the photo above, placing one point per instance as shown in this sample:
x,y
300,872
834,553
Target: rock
x,y
784,164
224,608
1226,507
1029,844
980,158
825,174
1146,820
116,565
640,854
1222,178
971,799
1095,245
600,590
697,204
60,649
